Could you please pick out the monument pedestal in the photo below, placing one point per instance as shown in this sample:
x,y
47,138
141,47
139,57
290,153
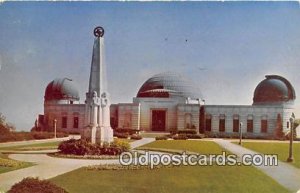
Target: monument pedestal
x,y
98,134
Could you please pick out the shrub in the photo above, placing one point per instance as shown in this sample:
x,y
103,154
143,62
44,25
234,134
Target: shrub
x,y
173,131
129,131
195,136
6,135
163,137
42,135
29,185
136,137
9,163
83,147
180,137
187,131
47,135
123,145
75,147
122,135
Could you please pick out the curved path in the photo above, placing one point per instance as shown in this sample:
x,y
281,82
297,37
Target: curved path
x,y
285,174
49,167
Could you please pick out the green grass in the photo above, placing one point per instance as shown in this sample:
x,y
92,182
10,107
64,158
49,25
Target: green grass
x,y
17,164
153,135
197,146
37,146
8,169
281,149
126,140
212,179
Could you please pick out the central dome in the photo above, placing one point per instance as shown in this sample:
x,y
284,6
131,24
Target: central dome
x,y
168,85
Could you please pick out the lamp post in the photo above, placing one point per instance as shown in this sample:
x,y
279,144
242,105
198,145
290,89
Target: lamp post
x,y
291,158
55,121
241,134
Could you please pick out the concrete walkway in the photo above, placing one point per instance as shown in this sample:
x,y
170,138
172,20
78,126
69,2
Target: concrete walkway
x,y
141,142
30,142
285,174
48,167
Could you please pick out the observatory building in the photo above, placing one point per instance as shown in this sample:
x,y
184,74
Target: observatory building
x,y
166,101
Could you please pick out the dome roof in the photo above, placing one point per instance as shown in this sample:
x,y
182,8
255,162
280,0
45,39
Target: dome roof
x,y
61,89
167,85
274,89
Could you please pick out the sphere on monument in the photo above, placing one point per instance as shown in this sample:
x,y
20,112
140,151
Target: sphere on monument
x,y
99,31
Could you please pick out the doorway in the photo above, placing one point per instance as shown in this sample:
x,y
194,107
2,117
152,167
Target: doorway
x,y
159,120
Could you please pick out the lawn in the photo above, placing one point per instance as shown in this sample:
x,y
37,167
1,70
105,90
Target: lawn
x,y
7,164
37,146
212,179
197,146
152,135
281,149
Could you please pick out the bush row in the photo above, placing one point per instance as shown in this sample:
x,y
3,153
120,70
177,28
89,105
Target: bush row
x,y
129,131
136,137
126,136
84,147
237,136
21,136
187,131
180,136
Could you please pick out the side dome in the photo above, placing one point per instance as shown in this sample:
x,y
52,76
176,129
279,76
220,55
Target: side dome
x,y
61,89
274,89
168,85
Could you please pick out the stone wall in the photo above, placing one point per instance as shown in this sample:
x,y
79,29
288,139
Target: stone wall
x,y
128,115
58,111
188,116
243,112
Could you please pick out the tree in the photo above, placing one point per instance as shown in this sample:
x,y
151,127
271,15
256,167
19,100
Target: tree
x,y
2,119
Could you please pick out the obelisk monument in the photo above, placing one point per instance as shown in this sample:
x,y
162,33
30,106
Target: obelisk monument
x,y
97,115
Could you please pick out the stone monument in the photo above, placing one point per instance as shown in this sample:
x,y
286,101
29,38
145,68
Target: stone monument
x,y
97,114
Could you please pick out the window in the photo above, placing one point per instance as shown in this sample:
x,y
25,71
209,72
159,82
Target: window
x,y
222,123
188,120
236,123
288,125
127,120
250,124
75,122
264,124
64,122
208,122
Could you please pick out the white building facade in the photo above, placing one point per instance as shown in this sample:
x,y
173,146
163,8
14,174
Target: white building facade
x,y
168,102
165,102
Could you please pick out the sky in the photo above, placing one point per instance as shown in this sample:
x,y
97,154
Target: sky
x,y
226,48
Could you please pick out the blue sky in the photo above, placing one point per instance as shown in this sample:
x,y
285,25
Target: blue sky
x,y
226,48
